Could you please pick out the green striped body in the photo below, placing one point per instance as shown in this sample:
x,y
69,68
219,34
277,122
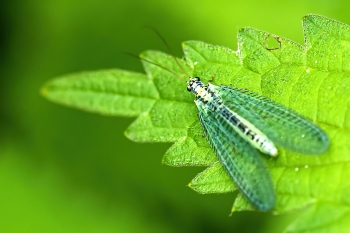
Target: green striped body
x,y
239,123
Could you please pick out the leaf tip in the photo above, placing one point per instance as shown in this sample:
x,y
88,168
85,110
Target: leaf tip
x,y
233,209
241,30
308,16
165,161
128,135
43,91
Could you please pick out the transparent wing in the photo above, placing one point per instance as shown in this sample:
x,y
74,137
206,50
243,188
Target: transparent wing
x,y
282,125
242,162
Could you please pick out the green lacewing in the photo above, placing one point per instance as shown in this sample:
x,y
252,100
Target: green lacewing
x,y
240,125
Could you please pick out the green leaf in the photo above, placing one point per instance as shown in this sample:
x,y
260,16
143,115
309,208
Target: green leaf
x,y
322,217
312,79
205,182
108,92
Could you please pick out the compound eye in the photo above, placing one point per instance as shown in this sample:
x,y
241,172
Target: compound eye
x,y
197,78
188,88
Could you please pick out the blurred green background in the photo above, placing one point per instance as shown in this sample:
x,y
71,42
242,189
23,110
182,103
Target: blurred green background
x,y
63,170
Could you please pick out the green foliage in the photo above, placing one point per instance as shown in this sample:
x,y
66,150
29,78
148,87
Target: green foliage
x,y
311,79
108,92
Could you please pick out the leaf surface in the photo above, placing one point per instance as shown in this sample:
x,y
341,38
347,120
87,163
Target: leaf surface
x,y
312,79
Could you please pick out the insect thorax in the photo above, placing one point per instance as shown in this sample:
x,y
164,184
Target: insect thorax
x,y
202,92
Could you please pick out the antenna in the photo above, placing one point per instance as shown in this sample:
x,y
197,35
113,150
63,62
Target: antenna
x,y
169,49
153,63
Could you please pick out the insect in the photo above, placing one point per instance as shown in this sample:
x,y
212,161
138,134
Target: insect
x,y
240,125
